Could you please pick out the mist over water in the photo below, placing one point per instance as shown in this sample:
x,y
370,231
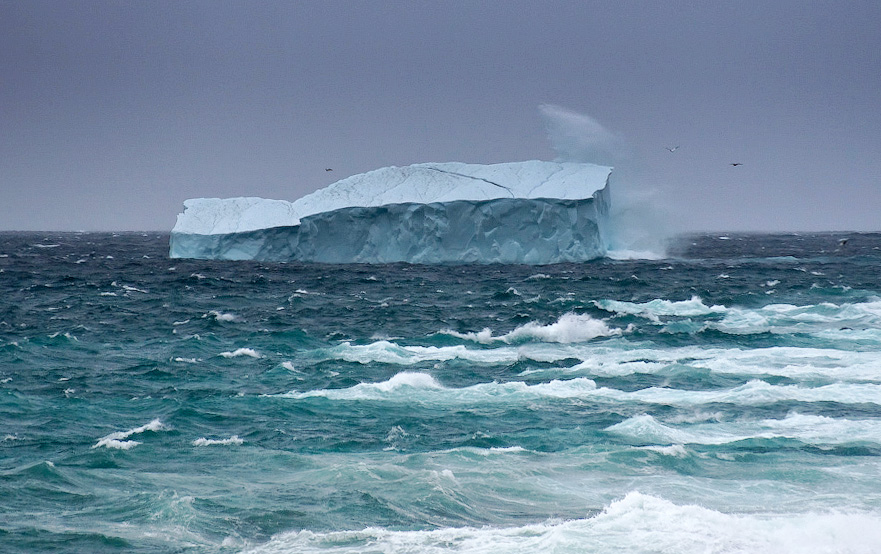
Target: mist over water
x,y
641,223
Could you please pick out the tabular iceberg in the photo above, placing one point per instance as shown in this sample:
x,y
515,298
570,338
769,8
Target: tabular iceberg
x,y
530,212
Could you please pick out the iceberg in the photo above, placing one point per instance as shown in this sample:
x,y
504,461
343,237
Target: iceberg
x,y
532,212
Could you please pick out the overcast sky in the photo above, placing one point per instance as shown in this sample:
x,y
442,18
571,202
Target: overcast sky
x,y
115,112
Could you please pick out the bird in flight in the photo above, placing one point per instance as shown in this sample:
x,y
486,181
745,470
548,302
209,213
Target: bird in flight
x,y
671,148
736,164
328,169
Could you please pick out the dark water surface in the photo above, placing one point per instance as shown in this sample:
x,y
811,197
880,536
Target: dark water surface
x,y
724,399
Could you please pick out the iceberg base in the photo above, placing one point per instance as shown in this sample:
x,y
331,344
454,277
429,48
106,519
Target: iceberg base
x,y
502,230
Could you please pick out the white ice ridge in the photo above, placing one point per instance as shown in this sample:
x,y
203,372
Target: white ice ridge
x,y
420,183
532,212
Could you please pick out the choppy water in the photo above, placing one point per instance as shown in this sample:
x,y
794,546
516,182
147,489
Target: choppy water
x,y
726,399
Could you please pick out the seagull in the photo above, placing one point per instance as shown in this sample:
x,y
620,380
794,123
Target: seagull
x,y
671,148
736,164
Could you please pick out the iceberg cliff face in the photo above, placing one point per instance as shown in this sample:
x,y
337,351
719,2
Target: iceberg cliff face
x,y
527,212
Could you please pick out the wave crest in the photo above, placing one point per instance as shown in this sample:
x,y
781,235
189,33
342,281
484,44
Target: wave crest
x,y
637,523
569,328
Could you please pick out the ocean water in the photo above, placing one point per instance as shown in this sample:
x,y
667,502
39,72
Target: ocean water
x,y
726,398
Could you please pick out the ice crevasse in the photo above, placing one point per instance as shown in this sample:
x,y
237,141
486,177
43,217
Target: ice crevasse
x,y
532,212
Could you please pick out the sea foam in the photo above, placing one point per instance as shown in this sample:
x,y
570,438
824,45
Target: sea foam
x,y
388,352
569,328
233,440
117,440
809,429
637,523
421,387
250,352
659,307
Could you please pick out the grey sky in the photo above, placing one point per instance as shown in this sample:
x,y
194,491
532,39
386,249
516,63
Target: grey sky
x,y
113,113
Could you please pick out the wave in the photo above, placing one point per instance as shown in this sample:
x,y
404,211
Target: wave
x,y
808,429
384,351
117,440
220,316
778,361
772,318
752,393
658,307
569,328
250,352
233,440
615,359
674,450
402,382
789,318
422,387
637,523
412,386
388,352
791,362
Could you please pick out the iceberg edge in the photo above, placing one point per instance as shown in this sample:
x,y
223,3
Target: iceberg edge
x,y
512,230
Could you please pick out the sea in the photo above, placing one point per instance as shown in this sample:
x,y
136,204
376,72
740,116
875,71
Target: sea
x,y
724,397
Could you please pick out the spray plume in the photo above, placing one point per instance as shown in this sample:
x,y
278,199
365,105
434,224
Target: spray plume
x,y
638,229
580,138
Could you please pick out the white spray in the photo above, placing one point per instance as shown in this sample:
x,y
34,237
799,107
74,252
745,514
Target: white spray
x,y
640,228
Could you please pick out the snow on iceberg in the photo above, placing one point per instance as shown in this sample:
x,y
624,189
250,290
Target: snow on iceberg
x,y
522,212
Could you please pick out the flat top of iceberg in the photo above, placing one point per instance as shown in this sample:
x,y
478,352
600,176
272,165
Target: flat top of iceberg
x,y
419,183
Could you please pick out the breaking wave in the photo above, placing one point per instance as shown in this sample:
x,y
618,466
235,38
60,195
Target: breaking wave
x,y
638,523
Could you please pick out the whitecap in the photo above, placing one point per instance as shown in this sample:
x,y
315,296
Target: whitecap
x,y
674,450
506,450
569,328
660,307
384,351
405,381
241,352
637,523
220,316
421,387
128,288
752,393
809,429
811,318
785,361
117,440
233,440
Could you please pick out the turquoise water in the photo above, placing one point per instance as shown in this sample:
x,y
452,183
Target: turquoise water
x,y
726,398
